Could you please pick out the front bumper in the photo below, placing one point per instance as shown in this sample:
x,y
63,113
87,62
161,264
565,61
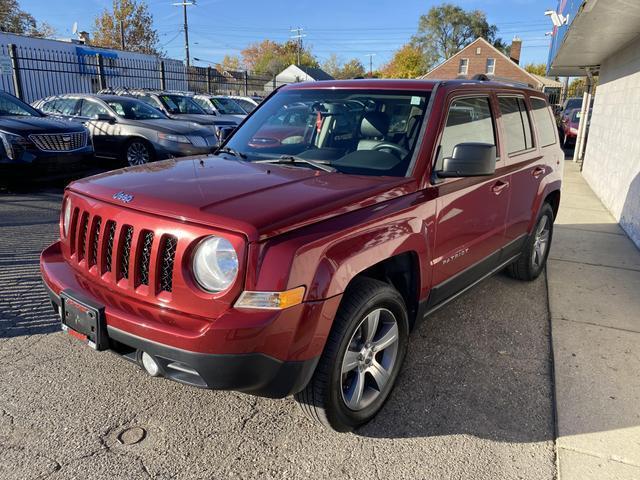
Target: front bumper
x,y
271,354
39,164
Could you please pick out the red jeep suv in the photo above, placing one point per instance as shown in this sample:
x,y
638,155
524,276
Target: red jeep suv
x,y
301,267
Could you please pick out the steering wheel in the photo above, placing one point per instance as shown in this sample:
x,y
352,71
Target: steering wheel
x,y
397,149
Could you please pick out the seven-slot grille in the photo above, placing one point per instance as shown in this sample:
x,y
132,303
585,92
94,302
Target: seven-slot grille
x,y
59,142
108,248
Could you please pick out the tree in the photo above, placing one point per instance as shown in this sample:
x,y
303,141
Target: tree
x,y
536,68
407,62
137,21
578,86
343,71
15,20
447,29
231,62
273,57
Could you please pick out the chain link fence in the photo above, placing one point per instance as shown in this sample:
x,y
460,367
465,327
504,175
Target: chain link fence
x,y
34,73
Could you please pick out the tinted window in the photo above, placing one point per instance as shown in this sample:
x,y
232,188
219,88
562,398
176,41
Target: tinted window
x,y
542,117
91,109
133,109
517,127
204,105
469,120
227,106
12,106
180,104
149,100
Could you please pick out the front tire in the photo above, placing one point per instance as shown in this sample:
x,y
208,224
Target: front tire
x,y
361,359
137,152
536,250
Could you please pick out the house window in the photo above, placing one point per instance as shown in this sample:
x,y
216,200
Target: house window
x,y
478,51
491,66
464,66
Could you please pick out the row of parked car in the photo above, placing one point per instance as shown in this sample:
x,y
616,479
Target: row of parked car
x,y
131,127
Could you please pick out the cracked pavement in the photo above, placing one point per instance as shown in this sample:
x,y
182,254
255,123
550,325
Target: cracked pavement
x,y
474,399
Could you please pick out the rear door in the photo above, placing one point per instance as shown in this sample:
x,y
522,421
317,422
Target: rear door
x,y
471,212
526,160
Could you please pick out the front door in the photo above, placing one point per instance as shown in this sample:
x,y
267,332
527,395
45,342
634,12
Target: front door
x,y
471,212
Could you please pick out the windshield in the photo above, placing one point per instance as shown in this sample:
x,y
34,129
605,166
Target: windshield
x,y
245,104
181,104
361,132
11,106
227,106
132,109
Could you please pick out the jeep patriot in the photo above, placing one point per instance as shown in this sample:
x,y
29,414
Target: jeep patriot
x,y
299,265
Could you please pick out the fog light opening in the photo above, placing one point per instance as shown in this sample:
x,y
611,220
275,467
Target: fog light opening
x,y
150,365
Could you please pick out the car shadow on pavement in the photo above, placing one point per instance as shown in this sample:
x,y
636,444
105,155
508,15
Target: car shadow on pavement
x,y
480,366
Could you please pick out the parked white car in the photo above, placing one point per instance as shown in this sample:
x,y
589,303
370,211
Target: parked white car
x,y
247,103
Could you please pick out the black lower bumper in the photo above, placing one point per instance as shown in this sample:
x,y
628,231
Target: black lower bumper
x,y
253,373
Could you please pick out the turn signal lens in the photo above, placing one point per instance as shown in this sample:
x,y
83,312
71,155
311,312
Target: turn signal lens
x,y
271,300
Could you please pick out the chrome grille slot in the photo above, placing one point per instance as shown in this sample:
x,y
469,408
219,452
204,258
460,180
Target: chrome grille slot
x,y
110,232
59,142
145,257
127,238
95,242
167,259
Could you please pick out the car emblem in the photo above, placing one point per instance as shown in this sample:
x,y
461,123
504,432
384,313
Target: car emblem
x,y
123,197
66,138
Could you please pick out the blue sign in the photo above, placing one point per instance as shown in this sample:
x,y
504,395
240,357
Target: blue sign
x,y
568,9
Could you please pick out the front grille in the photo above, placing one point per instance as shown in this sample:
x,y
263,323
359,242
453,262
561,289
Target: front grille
x,y
145,257
166,263
125,253
197,141
59,142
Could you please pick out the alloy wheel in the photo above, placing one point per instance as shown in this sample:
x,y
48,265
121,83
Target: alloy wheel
x,y
370,359
540,242
137,154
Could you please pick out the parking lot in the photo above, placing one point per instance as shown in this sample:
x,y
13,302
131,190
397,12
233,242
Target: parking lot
x,y
474,398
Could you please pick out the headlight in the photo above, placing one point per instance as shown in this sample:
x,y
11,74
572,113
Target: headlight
x,y
66,217
215,264
170,137
13,144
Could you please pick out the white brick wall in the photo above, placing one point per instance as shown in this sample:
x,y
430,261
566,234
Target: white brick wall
x,y
612,159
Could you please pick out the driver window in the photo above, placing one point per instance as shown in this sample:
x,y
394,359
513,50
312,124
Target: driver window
x,y
91,109
469,120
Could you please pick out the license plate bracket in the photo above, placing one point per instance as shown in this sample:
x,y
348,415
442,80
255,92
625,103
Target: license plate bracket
x,y
84,317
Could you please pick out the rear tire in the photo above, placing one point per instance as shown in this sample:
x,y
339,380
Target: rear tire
x,y
361,359
536,249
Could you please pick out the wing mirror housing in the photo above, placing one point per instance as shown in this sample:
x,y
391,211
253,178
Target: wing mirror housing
x,y
103,117
469,160
223,133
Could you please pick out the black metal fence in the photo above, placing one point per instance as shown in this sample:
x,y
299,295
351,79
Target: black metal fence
x,y
36,73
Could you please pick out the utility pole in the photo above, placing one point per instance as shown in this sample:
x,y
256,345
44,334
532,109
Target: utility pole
x,y
122,44
370,55
184,4
298,36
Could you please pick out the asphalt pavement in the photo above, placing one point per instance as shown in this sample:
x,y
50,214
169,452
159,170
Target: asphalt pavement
x,y
474,399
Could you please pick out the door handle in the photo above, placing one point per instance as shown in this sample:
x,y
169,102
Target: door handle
x,y
499,186
538,171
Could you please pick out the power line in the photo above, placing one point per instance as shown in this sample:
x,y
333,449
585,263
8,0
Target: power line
x,y
298,37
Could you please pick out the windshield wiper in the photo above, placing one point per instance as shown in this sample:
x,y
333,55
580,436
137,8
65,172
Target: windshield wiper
x,y
230,151
295,159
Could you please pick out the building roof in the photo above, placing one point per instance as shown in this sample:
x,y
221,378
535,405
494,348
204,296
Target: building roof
x,y
548,82
316,73
535,81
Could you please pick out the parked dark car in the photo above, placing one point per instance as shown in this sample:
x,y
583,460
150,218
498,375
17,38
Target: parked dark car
x,y
570,124
180,106
32,144
129,130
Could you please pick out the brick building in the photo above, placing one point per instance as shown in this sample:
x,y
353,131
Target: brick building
x,y
480,57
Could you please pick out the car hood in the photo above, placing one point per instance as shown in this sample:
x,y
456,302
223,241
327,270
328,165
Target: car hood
x,y
166,125
28,125
257,200
204,119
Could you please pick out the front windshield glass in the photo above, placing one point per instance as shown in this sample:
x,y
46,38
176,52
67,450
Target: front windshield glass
x,y
181,104
227,106
10,106
360,132
245,104
134,109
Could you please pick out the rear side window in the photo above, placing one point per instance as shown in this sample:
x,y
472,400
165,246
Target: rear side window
x,y
517,127
542,117
469,120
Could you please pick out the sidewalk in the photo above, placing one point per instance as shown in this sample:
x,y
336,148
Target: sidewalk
x,y
593,276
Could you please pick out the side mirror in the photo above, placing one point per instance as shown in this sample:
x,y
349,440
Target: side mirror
x,y
470,160
104,117
224,133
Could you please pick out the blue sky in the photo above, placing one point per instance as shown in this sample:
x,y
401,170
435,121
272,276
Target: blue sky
x,y
350,28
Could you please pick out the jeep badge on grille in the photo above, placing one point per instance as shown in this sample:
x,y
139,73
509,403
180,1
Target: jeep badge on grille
x,y
123,197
